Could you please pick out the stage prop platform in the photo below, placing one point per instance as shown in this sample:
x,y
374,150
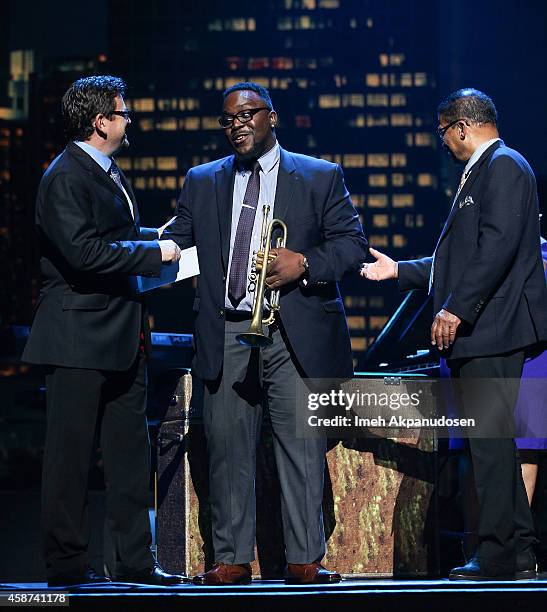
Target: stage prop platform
x,y
379,504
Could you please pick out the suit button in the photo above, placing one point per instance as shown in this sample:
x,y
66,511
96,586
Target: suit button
x,y
221,313
223,279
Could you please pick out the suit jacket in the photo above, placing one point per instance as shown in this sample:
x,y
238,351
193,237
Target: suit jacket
x,y
88,314
322,224
488,269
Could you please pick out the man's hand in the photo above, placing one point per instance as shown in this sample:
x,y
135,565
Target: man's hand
x,y
443,330
170,251
382,269
162,228
285,268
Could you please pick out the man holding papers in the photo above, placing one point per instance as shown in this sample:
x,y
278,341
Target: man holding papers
x,y
220,211
90,331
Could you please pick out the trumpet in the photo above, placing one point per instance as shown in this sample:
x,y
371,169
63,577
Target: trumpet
x,y
255,336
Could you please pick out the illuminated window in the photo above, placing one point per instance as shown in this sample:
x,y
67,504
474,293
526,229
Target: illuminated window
x,y
166,163
378,160
398,160
304,22
398,241
377,200
380,221
377,99
168,124
234,63
190,123
329,4
378,240
426,180
419,220
237,24
358,344
358,199
377,120
406,79
377,180
396,59
282,63
384,59
398,100
144,163
401,119
358,121
308,4
355,301
167,104
166,182
146,125
329,101
258,63
357,100
143,105
403,200
139,182
397,180
377,321
124,163
209,123
354,160
356,322
188,104
370,22
373,80
420,79
215,26
424,139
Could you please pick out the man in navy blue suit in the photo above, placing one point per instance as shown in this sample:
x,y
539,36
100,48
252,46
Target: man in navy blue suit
x,y
220,211
489,293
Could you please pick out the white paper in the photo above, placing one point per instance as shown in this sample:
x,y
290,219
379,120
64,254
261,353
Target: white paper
x,y
186,267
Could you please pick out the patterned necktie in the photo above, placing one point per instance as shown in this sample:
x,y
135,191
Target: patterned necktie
x,y
240,257
115,174
432,271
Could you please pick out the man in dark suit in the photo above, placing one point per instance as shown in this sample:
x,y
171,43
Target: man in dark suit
x,y
489,294
91,332
220,211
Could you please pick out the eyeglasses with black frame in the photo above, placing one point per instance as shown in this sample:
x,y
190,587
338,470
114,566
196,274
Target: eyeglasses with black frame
x,y
226,120
441,131
124,113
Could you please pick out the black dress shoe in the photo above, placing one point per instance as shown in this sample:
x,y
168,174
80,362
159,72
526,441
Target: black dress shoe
x,y
526,565
472,571
153,575
88,576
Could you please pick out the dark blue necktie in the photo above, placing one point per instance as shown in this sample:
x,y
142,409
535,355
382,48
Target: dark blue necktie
x,y
240,257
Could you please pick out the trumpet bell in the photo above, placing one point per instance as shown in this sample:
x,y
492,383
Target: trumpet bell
x,y
254,339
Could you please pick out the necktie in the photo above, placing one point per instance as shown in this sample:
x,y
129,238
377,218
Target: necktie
x,y
115,175
240,257
460,187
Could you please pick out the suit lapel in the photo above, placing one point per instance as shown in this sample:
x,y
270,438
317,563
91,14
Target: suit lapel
x,y
286,179
99,174
131,194
224,183
474,173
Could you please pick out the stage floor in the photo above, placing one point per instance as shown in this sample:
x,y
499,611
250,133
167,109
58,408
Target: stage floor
x,y
263,595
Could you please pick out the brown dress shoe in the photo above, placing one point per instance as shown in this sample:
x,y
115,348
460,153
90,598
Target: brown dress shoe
x,y
223,573
310,573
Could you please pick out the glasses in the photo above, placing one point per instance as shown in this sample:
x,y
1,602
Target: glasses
x,y
244,116
441,131
125,114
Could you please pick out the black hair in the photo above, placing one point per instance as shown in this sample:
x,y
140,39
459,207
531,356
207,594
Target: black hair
x,y
250,86
469,104
85,99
